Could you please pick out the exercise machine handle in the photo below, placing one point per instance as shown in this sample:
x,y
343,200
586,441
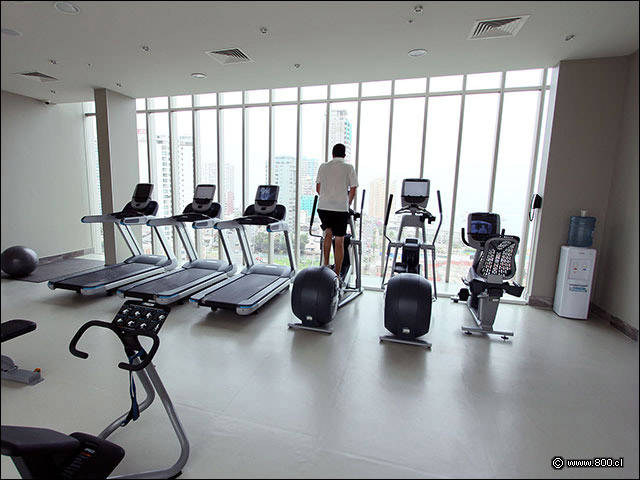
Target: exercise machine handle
x,y
386,217
128,338
74,341
364,192
433,242
464,240
313,214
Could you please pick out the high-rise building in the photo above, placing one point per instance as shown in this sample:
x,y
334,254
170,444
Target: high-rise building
x,y
339,131
284,175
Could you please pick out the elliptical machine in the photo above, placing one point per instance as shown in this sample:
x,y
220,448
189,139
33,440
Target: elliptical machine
x,y
408,294
494,263
317,292
44,453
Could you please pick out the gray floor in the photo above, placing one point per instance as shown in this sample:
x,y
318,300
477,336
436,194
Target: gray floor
x,y
259,400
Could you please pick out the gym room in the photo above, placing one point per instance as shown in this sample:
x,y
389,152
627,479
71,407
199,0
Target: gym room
x,y
319,239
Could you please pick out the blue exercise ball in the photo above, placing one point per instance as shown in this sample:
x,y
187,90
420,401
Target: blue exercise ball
x,y
19,261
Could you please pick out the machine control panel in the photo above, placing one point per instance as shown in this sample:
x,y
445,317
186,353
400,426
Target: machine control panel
x,y
138,315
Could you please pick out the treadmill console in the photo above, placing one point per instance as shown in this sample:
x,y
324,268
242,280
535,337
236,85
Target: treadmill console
x,y
266,199
137,315
415,192
142,196
203,197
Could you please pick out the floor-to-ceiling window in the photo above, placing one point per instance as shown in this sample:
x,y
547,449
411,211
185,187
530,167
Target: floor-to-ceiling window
x,y
476,137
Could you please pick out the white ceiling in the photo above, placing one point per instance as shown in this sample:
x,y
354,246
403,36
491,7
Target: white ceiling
x,y
334,42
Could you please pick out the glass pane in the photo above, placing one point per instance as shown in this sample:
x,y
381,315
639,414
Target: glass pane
x,y
451,83
143,168
285,124
231,98
318,92
183,168
140,104
517,132
312,135
482,81
93,167
474,178
406,153
257,171
372,89
256,96
440,152
411,85
88,107
230,188
207,172
158,103
343,128
285,94
372,172
206,100
181,101
549,73
524,78
344,90
160,175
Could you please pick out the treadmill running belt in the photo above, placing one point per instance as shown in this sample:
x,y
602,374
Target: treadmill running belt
x,y
177,279
108,274
243,288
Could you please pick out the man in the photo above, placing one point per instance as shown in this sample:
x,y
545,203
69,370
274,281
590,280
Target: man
x,y
336,185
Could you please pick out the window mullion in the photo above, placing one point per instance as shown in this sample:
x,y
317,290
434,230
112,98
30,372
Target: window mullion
x,y
496,146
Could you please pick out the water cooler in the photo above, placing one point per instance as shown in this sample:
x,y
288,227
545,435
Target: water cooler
x,y
575,271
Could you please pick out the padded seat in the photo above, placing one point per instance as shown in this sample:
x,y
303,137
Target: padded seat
x,y
16,328
22,441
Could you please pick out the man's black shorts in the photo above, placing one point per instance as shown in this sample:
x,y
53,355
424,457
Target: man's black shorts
x,y
336,221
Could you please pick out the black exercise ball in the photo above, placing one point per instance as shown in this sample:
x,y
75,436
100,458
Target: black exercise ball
x,y
19,261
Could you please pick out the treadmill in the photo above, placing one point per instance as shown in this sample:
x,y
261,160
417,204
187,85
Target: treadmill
x,y
257,283
109,277
194,275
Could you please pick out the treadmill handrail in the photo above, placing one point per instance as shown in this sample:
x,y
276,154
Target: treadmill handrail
x,y
237,222
142,220
158,222
107,218
211,223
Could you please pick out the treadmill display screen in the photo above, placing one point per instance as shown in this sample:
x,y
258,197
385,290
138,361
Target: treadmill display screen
x,y
143,192
205,192
267,193
415,188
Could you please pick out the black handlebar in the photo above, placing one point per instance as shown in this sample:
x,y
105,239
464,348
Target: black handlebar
x,y
389,203
128,337
313,213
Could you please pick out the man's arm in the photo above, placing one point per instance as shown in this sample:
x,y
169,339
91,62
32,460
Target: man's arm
x,y
352,194
318,188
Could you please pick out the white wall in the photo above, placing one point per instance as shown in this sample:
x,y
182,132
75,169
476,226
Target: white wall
x,y
44,176
580,157
617,282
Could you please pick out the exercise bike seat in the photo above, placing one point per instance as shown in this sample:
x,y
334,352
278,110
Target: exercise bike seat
x,y
21,441
15,328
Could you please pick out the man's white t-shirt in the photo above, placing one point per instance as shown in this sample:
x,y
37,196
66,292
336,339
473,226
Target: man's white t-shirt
x,y
335,179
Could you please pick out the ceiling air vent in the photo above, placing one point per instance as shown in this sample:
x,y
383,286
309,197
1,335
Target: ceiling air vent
x,y
38,76
497,27
229,56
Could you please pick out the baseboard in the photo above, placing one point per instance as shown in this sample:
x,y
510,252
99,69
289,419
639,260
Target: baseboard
x,y
542,302
63,256
617,323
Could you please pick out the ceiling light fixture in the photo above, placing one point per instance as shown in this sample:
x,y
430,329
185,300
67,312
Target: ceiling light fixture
x,y
67,7
53,91
418,9
569,37
199,75
53,62
296,65
145,48
263,30
118,85
11,33
417,52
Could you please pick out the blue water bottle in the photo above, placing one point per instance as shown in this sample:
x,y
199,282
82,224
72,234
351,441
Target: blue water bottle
x,y
581,230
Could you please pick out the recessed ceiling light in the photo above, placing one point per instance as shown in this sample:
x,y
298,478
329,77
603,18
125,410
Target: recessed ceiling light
x,y
418,9
145,48
67,7
297,65
569,37
263,30
418,52
199,75
118,85
11,33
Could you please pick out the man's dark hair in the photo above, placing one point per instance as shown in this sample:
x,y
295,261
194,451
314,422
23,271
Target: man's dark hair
x,y
339,150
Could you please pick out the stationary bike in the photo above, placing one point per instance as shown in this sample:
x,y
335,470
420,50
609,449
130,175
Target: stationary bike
x,y
44,453
493,264
408,294
317,291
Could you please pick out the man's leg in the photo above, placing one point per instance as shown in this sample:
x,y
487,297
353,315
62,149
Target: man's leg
x,y
326,246
339,253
